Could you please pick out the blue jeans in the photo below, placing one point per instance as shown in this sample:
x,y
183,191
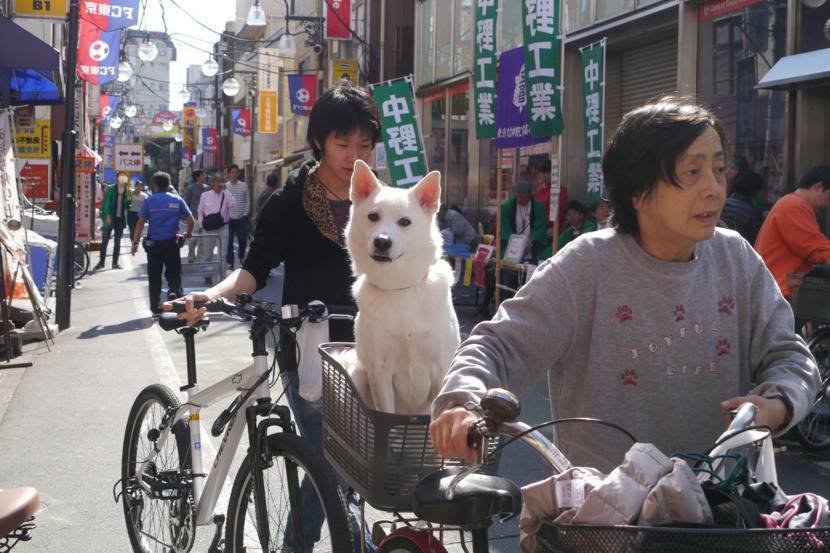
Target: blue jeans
x,y
237,229
309,418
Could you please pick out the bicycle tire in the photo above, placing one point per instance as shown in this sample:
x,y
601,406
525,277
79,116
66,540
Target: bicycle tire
x,y
286,449
814,431
137,501
400,544
80,260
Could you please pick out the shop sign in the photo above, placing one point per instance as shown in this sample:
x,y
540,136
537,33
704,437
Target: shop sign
x,y
401,138
338,16
40,9
159,119
34,176
189,130
267,111
593,106
84,164
128,157
484,68
344,69
714,8
512,122
268,74
542,66
24,118
83,206
35,143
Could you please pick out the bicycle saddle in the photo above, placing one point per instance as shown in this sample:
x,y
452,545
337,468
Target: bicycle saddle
x,y
170,321
477,498
16,507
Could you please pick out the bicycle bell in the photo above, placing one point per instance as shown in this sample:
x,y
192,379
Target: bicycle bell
x,y
501,405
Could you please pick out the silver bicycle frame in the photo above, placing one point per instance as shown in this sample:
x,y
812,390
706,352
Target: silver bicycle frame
x,y
208,485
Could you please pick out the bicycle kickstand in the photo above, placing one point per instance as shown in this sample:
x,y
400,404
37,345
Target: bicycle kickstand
x,y
217,545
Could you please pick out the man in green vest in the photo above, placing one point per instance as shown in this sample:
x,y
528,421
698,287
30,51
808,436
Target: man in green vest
x,y
114,210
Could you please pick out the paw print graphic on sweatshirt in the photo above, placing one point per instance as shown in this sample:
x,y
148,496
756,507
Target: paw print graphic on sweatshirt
x,y
722,347
624,313
726,305
679,313
630,377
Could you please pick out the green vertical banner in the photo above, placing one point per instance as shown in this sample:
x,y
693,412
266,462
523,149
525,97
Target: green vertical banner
x,y
405,154
484,68
543,66
593,103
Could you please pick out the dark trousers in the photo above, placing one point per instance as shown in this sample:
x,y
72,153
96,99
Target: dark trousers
x,y
237,228
118,227
132,219
163,255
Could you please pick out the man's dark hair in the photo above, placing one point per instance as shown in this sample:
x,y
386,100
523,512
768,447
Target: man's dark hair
x,y
233,166
161,180
576,205
820,173
544,167
272,180
747,183
645,148
197,173
739,162
341,110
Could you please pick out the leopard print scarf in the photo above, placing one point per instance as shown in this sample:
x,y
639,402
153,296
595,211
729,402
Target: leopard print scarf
x,y
316,205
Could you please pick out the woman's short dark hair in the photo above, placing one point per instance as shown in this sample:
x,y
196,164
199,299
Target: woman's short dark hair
x,y
341,110
645,148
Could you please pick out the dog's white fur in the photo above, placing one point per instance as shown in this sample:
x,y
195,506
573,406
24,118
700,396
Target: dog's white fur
x,y
406,330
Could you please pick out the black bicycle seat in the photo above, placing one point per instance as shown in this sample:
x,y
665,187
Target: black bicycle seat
x,y
477,498
170,321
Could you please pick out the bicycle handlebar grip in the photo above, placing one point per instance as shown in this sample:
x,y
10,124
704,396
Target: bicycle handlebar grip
x,y
213,306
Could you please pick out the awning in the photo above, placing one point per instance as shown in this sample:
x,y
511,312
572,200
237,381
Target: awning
x,y
279,162
790,71
30,69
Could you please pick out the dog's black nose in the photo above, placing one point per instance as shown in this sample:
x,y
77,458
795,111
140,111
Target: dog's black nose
x,y
382,242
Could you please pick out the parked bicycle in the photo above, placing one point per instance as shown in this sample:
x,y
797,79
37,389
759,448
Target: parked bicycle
x,y
17,512
168,489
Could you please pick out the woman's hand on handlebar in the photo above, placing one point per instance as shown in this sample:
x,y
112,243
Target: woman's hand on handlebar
x,y
190,314
772,412
450,432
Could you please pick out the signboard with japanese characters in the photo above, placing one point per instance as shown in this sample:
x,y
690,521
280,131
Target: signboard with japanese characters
x,y
542,66
83,206
40,9
267,112
98,53
484,68
84,164
512,124
268,72
128,157
24,118
35,143
593,105
401,138
344,69
189,129
110,15
35,177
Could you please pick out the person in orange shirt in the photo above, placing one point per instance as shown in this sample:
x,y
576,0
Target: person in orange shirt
x,y
790,240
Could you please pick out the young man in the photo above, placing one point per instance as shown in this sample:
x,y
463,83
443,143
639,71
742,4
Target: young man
x,y
114,210
790,240
238,223
162,210
191,196
575,215
302,227
272,182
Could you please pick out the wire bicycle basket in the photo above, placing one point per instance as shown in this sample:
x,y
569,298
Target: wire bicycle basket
x,y
381,455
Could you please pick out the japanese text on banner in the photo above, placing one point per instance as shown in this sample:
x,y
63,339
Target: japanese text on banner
x,y
484,67
401,137
540,20
593,85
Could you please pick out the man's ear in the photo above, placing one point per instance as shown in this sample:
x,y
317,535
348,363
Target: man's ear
x,y
428,192
364,183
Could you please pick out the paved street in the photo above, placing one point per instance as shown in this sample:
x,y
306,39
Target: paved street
x,y
62,420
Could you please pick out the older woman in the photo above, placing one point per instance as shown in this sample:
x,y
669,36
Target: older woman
x,y
660,324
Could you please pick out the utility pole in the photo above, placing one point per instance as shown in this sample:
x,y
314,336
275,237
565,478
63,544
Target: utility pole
x,y
253,90
66,232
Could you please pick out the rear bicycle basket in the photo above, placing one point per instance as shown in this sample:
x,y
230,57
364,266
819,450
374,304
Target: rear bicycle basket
x,y
574,538
381,455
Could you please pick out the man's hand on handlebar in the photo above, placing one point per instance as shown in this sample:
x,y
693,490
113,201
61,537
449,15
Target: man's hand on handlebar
x,y
771,412
190,314
450,431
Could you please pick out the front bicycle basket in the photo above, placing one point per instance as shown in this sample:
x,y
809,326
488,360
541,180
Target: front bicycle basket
x,y
575,538
381,455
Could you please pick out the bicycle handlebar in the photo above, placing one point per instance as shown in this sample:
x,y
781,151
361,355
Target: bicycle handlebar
x,y
247,306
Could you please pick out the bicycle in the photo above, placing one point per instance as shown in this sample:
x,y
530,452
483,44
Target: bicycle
x,y
17,512
167,490
814,430
80,260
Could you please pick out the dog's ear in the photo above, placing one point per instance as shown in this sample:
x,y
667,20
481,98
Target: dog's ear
x,y
364,182
428,192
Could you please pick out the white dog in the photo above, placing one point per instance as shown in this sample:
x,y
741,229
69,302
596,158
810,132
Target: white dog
x,y
406,331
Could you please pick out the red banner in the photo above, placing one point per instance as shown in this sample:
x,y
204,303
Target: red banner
x,y
714,8
35,179
338,15
210,139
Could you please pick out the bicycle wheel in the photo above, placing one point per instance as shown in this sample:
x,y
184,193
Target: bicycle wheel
x,y
400,545
162,520
80,260
814,431
293,462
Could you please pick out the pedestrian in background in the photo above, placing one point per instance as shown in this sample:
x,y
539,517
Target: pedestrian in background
x,y
192,195
213,215
272,183
162,210
576,215
136,201
240,211
739,213
114,211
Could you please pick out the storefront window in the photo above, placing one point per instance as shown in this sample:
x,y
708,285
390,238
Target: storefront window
x,y
607,8
463,36
744,45
457,168
443,45
435,111
426,47
579,13
510,22
815,33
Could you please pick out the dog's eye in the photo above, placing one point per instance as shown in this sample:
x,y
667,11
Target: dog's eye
x,y
374,216
404,221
